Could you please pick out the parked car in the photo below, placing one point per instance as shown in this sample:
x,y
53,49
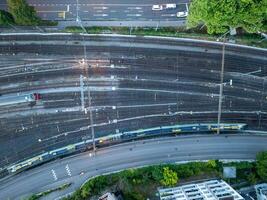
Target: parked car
x,y
157,7
170,5
182,14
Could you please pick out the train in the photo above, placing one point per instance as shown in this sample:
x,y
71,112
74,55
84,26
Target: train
x,y
125,135
20,98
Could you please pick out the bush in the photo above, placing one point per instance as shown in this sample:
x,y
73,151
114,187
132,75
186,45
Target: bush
x,y
6,18
252,179
169,177
261,165
48,23
133,196
156,173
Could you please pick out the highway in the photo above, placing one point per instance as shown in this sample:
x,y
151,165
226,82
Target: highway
x,y
134,154
112,10
135,83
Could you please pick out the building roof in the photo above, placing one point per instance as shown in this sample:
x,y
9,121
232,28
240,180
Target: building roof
x,y
208,190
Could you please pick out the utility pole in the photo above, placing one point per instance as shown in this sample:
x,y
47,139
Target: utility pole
x,y
91,120
88,86
82,92
221,89
77,8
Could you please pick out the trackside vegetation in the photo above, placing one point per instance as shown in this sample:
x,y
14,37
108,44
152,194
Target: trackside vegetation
x,y
220,16
142,183
179,32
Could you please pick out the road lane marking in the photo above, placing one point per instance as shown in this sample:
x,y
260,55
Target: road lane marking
x,y
68,170
134,15
54,174
100,15
134,8
103,8
168,15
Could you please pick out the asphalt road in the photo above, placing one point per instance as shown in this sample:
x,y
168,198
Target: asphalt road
x,y
129,155
135,83
112,10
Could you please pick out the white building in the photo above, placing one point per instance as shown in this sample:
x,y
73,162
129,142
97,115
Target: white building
x,y
107,196
261,191
208,190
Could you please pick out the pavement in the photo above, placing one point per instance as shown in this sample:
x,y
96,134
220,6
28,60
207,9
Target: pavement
x,y
131,13
128,155
135,83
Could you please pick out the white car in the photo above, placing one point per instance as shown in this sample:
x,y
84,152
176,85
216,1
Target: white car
x,y
170,5
182,14
157,7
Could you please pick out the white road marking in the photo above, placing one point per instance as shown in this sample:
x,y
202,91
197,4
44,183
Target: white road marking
x,y
168,15
134,15
54,174
100,15
68,170
103,8
134,8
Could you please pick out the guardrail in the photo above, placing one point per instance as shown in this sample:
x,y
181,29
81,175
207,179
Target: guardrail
x,y
120,137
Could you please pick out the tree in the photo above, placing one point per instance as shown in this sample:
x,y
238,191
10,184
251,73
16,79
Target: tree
x,y
5,18
23,13
169,177
220,16
252,179
261,165
212,164
157,173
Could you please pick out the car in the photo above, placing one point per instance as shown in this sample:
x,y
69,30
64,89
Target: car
x,y
182,14
37,96
157,7
170,5
82,173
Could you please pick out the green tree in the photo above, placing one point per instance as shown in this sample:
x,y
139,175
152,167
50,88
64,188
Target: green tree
x,y
23,13
261,165
212,164
169,177
220,16
252,178
157,173
133,196
6,18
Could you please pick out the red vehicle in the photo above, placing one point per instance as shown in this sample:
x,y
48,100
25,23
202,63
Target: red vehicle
x,y
37,96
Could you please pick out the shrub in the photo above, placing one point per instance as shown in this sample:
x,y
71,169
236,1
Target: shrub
x,y
261,165
169,177
6,18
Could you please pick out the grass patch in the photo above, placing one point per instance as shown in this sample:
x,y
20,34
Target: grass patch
x,y
45,193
